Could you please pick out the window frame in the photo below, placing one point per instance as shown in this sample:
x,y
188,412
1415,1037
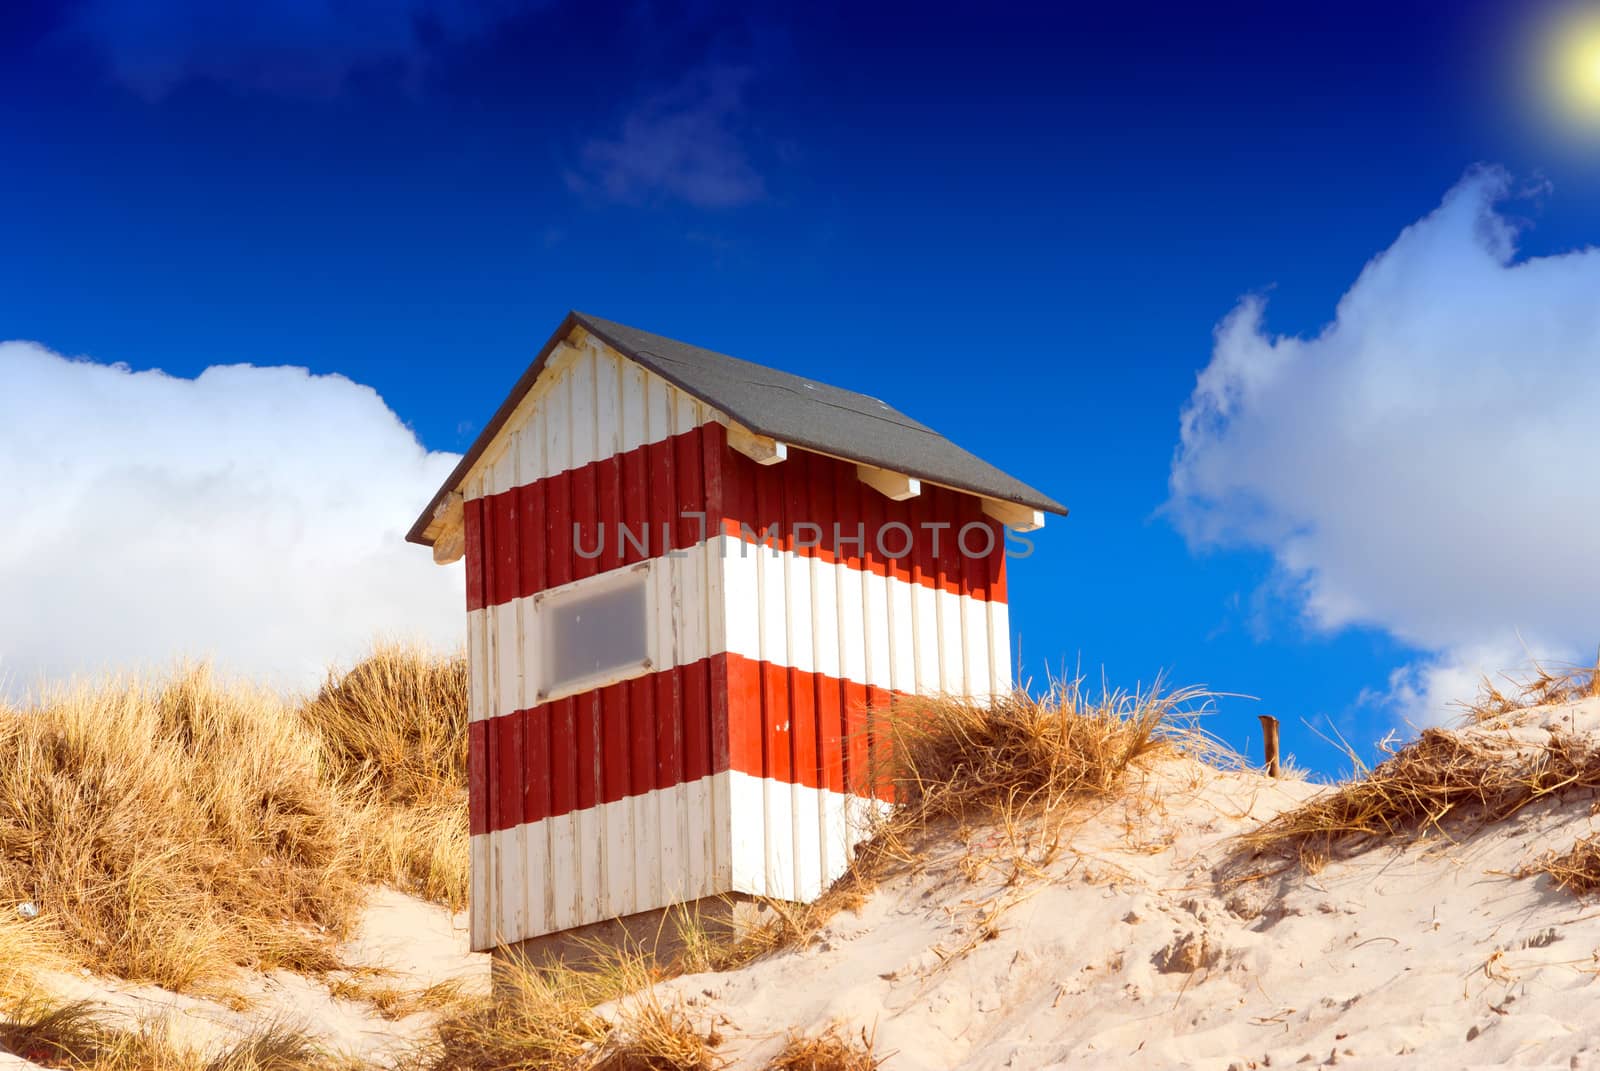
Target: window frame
x,y
589,587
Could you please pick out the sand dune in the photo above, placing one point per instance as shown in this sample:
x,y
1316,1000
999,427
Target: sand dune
x,y
405,943
1140,947
1149,939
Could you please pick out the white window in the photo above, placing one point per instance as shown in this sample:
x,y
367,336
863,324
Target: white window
x,y
594,632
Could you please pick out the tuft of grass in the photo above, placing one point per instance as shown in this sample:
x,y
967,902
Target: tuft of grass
x,y
1542,686
1440,776
396,1002
173,830
395,725
81,1036
424,850
649,1035
772,925
833,1049
273,1047
1577,870
1017,754
393,730
538,1017
55,1034
549,1016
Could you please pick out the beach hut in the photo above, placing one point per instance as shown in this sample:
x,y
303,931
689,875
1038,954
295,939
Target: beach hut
x,y
691,583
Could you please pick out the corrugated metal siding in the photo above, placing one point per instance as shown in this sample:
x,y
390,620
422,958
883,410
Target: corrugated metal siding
x,y
584,808
833,632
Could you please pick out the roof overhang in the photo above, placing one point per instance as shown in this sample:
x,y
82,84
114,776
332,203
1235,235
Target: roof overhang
x,y
441,526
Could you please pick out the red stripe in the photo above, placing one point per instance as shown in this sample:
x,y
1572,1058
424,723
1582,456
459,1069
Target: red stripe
x,y
478,777
614,745
669,730
918,540
641,736
558,554
588,714
672,728
608,512
858,751
830,731
536,799
647,501
473,518
697,718
745,736
647,490
506,735
562,714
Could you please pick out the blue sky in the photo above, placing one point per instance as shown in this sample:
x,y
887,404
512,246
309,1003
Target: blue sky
x,y
1021,227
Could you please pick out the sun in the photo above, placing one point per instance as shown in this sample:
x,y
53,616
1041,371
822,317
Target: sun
x,y
1574,66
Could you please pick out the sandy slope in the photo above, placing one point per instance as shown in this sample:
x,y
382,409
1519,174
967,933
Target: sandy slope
x,y
1137,946
1430,956
414,942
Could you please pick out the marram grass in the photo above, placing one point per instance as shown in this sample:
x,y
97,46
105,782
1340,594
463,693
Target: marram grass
x,y
174,830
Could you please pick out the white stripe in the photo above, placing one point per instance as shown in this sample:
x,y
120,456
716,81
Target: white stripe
x,y
589,404
803,875
562,881
552,891
777,607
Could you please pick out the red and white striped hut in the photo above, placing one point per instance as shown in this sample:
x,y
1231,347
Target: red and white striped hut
x,y
690,579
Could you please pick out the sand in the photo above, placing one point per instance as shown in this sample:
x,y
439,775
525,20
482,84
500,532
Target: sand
x,y
1136,946
1133,951
405,942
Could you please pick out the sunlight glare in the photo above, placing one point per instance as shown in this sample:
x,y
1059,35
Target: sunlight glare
x,y
1574,67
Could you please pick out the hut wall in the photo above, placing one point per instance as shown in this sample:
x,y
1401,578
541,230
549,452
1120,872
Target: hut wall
x,y
825,626
598,802
787,605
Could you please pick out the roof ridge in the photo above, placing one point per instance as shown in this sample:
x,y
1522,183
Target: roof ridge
x,y
874,433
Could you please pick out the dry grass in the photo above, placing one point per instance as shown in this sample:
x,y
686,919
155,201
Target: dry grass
x,y
394,733
175,830
538,1018
393,1002
961,759
649,1035
79,1036
52,1034
1577,870
543,1017
27,946
833,1049
1443,775
1542,686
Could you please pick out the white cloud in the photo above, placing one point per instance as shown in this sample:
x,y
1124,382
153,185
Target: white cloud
x,y
252,515
680,144
1427,464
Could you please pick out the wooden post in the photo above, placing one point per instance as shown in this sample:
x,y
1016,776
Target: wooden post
x,y
1269,742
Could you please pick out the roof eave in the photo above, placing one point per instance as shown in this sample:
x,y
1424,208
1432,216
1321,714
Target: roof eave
x,y
419,534
1040,501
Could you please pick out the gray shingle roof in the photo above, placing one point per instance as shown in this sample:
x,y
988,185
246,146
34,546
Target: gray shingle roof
x,y
789,408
